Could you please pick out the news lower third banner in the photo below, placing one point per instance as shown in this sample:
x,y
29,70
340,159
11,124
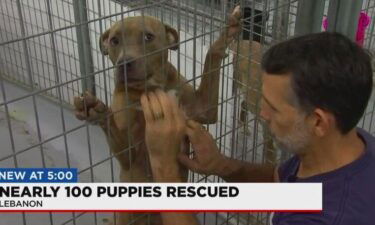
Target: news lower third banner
x,y
63,196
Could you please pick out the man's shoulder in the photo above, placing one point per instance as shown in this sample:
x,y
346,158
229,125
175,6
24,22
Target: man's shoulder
x,y
369,155
359,193
368,138
348,191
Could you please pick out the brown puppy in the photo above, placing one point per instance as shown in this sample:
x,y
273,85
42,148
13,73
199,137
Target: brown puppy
x,y
138,48
248,76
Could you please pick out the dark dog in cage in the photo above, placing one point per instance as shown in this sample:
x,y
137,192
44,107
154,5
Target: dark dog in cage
x,y
247,71
138,48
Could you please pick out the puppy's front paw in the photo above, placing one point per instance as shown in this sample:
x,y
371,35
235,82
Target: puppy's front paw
x,y
234,22
89,108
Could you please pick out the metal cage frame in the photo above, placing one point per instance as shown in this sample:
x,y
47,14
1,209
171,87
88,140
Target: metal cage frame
x,y
49,53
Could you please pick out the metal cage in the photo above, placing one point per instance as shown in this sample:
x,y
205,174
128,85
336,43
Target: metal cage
x,y
49,53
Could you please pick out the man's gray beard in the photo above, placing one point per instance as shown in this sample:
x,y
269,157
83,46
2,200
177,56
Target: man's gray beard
x,y
296,141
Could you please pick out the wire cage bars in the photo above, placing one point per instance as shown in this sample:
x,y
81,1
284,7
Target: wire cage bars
x,y
49,53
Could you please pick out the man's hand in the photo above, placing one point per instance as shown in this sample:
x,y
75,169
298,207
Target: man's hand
x,y
165,129
207,158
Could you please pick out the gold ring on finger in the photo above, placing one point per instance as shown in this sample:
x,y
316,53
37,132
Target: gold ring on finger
x,y
158,116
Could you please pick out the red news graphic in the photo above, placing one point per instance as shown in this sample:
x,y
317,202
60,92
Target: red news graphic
x,y
160,197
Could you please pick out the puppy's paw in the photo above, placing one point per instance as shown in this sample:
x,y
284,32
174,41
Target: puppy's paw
x,y
234,22
89,108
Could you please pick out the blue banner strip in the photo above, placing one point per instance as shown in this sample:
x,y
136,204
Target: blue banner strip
x,y
38,175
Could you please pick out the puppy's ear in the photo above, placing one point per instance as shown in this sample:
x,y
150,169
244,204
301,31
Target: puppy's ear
x,y
172,37
104,42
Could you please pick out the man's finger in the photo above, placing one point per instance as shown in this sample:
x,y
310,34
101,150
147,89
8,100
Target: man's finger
x,y
155,105
194,135
195,125
146,109
186,161
166,104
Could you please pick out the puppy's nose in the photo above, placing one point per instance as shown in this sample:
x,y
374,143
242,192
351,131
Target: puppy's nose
x,y
126,61
129,62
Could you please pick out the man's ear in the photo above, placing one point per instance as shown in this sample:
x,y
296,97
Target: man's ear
x,y
172,37
104,42
323,122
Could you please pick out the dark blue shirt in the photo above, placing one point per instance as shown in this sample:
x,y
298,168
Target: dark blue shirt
x,y
348,192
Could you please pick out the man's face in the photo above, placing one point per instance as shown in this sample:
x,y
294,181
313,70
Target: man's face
x,y
289,126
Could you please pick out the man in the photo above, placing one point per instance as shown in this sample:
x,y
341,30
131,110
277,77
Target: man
x,y
315,90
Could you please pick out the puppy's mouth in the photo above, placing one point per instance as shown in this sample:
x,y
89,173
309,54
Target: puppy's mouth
x,y
130,75
127,73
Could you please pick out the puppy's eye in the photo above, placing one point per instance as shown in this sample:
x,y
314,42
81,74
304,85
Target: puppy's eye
x,y
114,41
149,37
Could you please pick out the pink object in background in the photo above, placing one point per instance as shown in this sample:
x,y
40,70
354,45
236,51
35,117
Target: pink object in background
x,y
363,22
